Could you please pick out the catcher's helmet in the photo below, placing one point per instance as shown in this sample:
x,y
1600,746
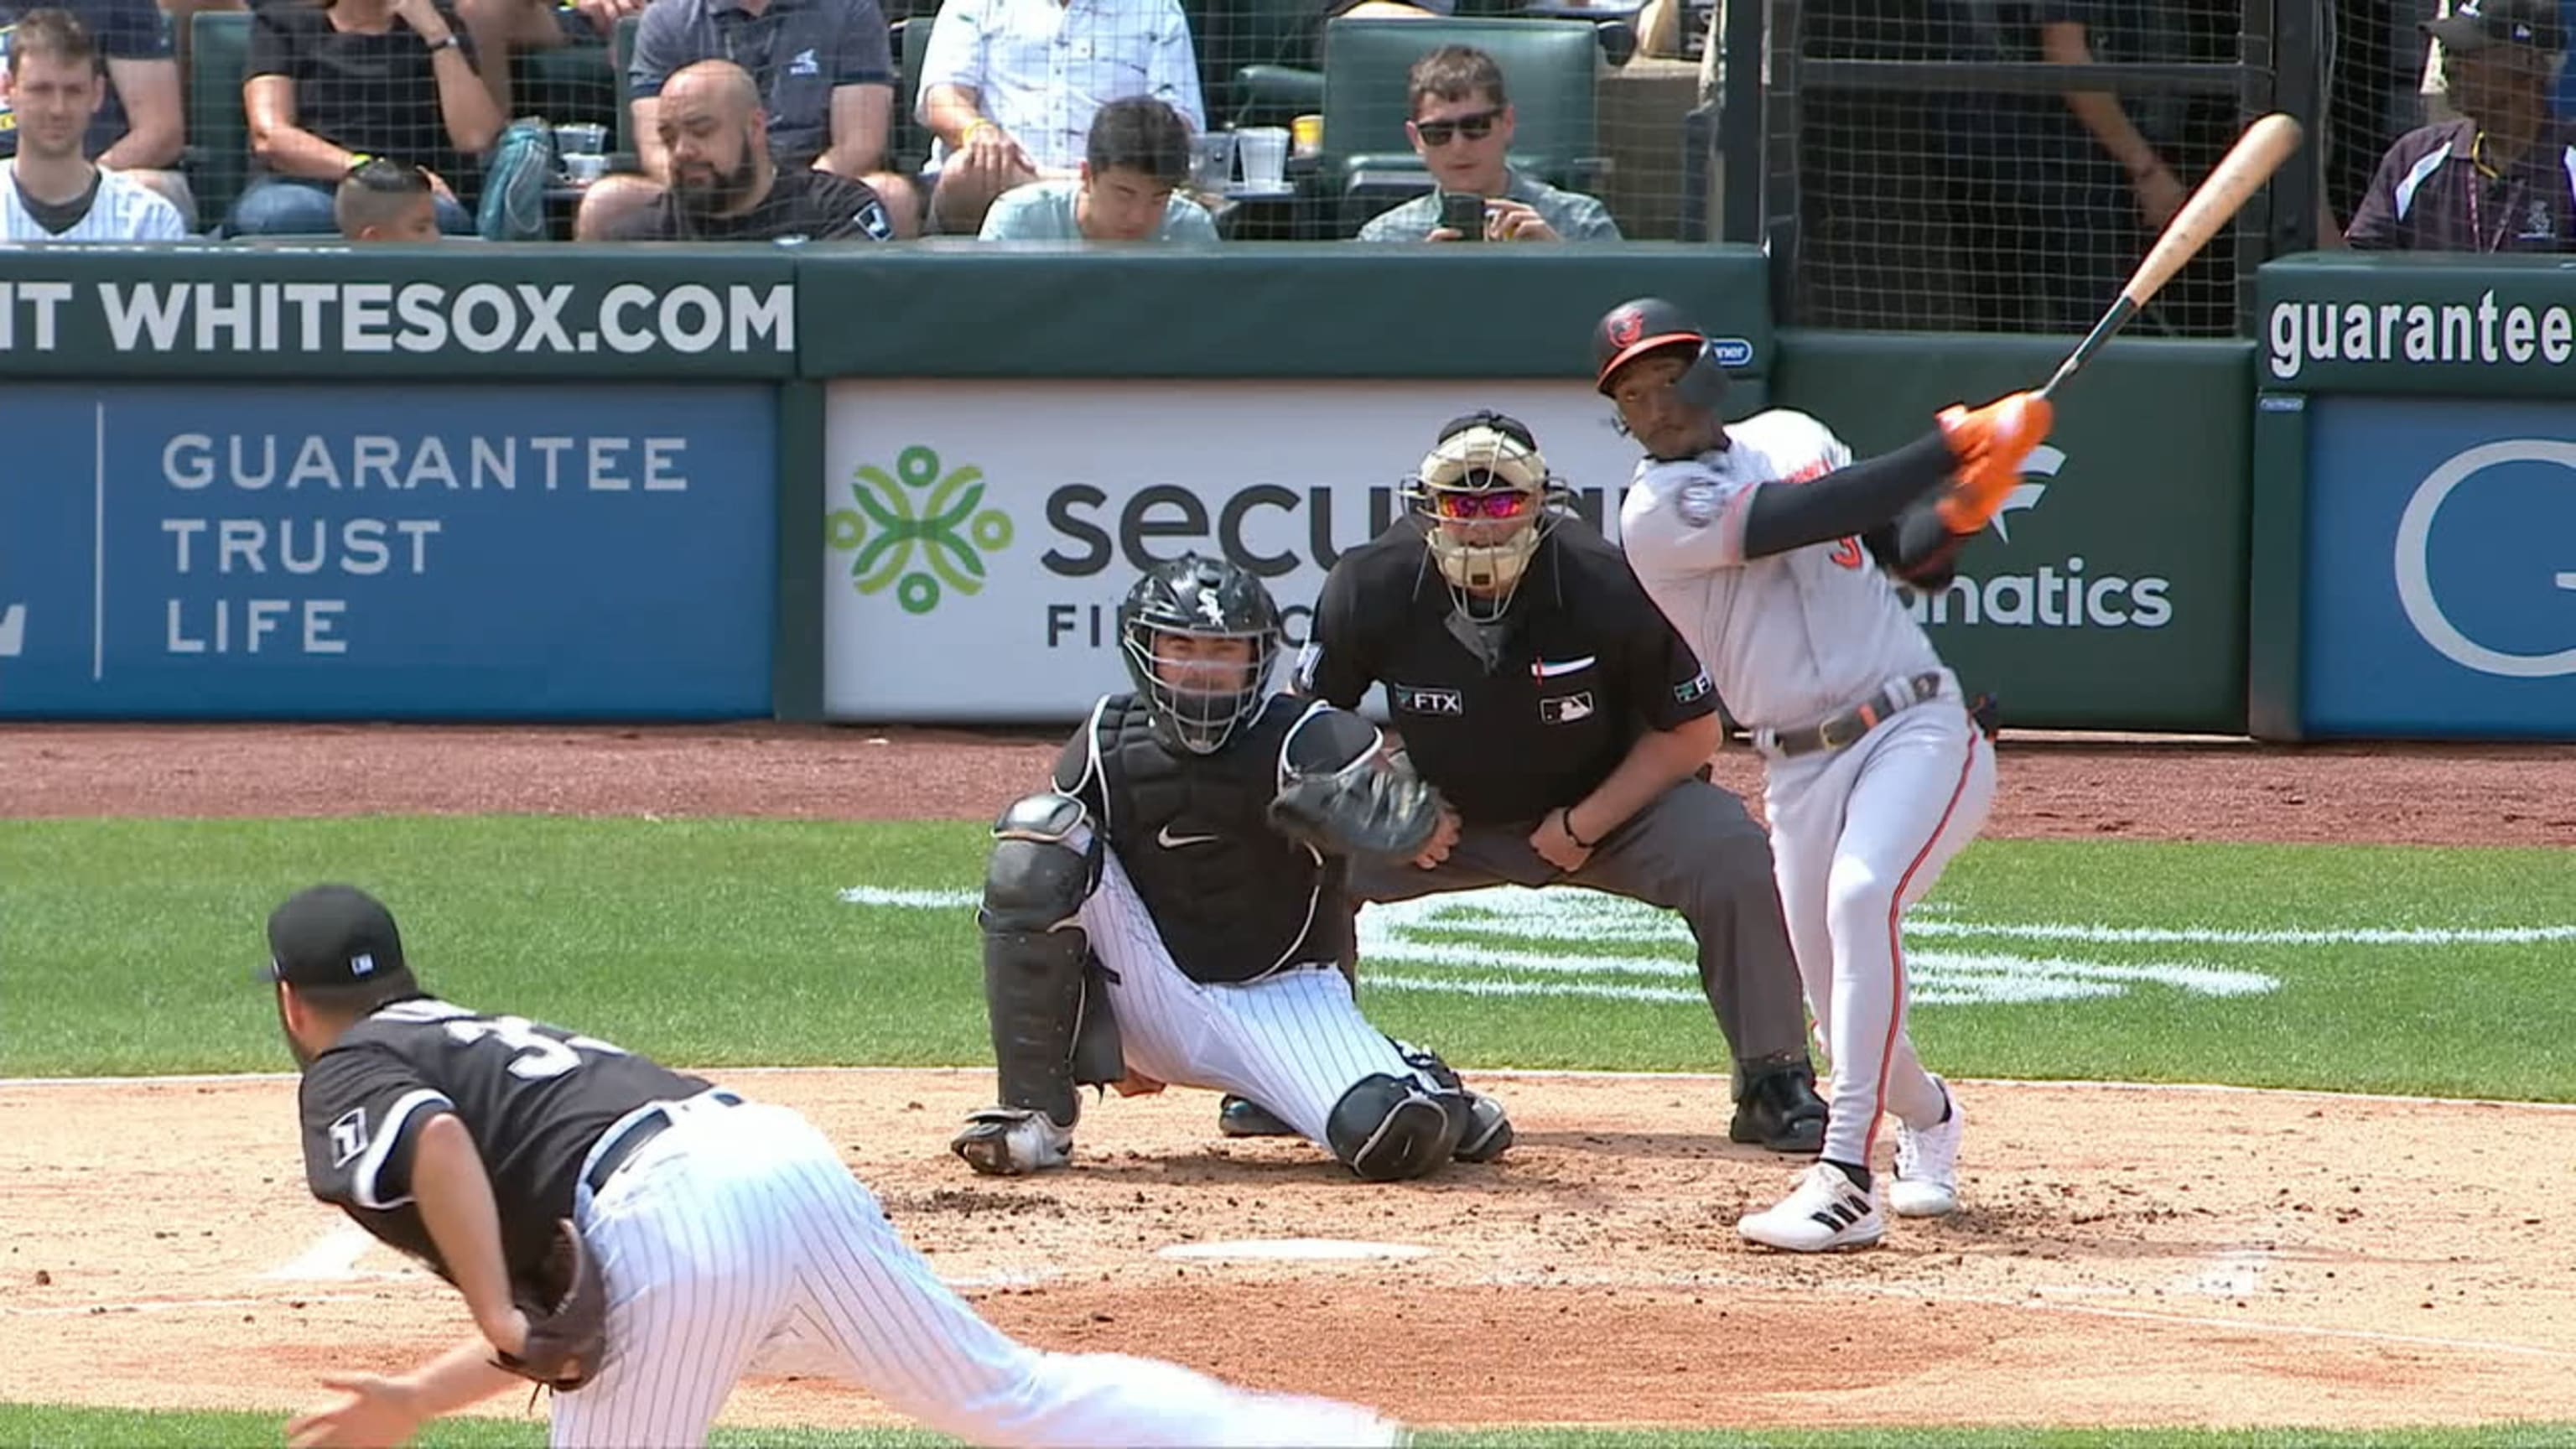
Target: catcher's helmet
x,y
1488,498
1646,325
1203,598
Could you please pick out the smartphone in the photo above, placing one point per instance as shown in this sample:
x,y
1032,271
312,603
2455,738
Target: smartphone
x,y
1463,213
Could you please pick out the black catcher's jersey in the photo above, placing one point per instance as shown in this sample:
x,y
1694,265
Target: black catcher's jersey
x,y
535,1097
1233,899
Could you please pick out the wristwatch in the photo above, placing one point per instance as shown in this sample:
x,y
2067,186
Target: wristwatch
x,y
450,41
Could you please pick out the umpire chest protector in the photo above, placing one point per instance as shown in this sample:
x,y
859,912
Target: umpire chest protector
x,y
1233,899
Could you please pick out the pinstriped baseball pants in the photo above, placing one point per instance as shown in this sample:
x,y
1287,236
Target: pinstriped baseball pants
x,y
1293,1042
737,1234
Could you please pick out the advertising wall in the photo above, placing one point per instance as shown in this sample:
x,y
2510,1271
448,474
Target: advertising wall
x,y
979,538
2439,593
2110,592
383,550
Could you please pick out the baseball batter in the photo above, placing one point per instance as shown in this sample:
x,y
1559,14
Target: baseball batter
x,y
1174,909
1772,551
681,1233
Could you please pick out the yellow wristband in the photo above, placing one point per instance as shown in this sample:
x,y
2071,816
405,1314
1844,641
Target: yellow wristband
x,y
977,124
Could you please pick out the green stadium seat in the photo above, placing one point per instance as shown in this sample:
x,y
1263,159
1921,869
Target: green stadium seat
x,y
218,130
621,51
569,84
908,144
1549,68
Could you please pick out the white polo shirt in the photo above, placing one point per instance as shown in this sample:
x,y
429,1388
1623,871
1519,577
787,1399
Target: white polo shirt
x,y
122,209
1041,69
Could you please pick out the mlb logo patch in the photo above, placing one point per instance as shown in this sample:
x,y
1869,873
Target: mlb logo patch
x,y
1562,709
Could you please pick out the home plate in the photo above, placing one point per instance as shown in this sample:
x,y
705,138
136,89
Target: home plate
x,y
1294,1249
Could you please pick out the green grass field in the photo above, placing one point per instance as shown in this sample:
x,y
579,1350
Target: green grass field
x,y
126,947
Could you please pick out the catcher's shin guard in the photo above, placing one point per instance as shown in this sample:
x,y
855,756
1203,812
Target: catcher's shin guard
x,y
1035,953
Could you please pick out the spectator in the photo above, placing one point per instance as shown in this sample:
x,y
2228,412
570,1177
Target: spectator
x,y
498,28
138,129
726,183
825,73
2084,180
50,190
386,201
390,78
1009,88
1462,128
1129,189
2498,178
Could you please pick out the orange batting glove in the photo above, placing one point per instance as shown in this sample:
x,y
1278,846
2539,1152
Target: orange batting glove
x,y
1990,443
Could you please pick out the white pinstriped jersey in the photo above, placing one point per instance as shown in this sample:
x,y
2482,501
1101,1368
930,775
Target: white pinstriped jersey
x,y
121,210
1790,638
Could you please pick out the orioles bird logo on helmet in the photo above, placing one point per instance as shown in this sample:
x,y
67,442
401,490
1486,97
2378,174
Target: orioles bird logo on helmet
x,y
1626,326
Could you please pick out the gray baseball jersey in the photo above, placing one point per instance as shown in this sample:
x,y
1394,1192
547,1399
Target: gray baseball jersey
x,y
1791,638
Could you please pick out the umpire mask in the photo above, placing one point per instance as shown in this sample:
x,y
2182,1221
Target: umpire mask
x,y
1487,499
1200,637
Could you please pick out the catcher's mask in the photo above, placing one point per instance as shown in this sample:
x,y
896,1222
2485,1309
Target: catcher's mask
x,y
1487,499
1195,703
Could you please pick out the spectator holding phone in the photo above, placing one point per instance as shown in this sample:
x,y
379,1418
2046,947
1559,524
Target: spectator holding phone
x,y
1461,127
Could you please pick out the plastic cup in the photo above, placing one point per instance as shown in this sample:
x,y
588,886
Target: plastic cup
x,y
1307,133
1264,151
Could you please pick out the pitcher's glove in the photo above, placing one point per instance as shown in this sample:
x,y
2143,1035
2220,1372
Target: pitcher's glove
x,y
567,1311
1370,808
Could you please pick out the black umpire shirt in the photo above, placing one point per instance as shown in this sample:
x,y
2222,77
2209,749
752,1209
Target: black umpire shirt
x,y
535,1097
802,205
1590,665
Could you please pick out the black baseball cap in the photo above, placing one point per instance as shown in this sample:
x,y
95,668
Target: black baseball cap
x,y
2475,25
333,935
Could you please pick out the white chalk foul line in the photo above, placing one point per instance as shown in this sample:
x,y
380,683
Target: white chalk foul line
x,y
182,1305
331,1258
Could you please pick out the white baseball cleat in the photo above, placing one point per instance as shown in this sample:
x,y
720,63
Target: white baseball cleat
x,y
1824,1212
1009,1142
1927,1165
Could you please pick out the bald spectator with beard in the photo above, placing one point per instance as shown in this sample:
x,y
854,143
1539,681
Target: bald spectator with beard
x,y
725,186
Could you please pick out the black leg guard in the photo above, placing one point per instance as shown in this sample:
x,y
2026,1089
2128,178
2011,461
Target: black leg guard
x,y
1387,1128
1035,953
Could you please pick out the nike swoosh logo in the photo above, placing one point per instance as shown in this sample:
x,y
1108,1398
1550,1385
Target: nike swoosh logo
x,y
1551,668
1166,839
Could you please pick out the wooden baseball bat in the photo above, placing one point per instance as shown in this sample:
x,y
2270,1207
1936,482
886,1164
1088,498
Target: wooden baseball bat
x,y
2248,164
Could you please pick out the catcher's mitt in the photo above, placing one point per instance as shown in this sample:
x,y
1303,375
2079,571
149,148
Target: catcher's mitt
x,y
567,1310
1367,808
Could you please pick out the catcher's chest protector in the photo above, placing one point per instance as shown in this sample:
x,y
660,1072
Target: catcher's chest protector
x,y
1232,897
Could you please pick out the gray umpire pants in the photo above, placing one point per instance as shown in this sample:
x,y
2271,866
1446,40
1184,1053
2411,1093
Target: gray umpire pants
x,y
1694,850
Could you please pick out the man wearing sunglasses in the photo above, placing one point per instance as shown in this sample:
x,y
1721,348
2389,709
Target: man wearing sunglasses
x,y
1568,729
1461,127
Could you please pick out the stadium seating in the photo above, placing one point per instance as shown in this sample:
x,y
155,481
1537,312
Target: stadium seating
x,y
1549,67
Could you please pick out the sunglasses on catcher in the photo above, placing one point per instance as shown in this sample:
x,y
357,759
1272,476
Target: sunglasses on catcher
x,y
1466,507
1475,126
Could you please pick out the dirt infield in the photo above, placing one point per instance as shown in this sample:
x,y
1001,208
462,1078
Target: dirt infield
x,y
2130,1257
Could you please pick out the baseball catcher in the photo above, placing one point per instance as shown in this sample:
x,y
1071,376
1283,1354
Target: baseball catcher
x,y
1172,910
